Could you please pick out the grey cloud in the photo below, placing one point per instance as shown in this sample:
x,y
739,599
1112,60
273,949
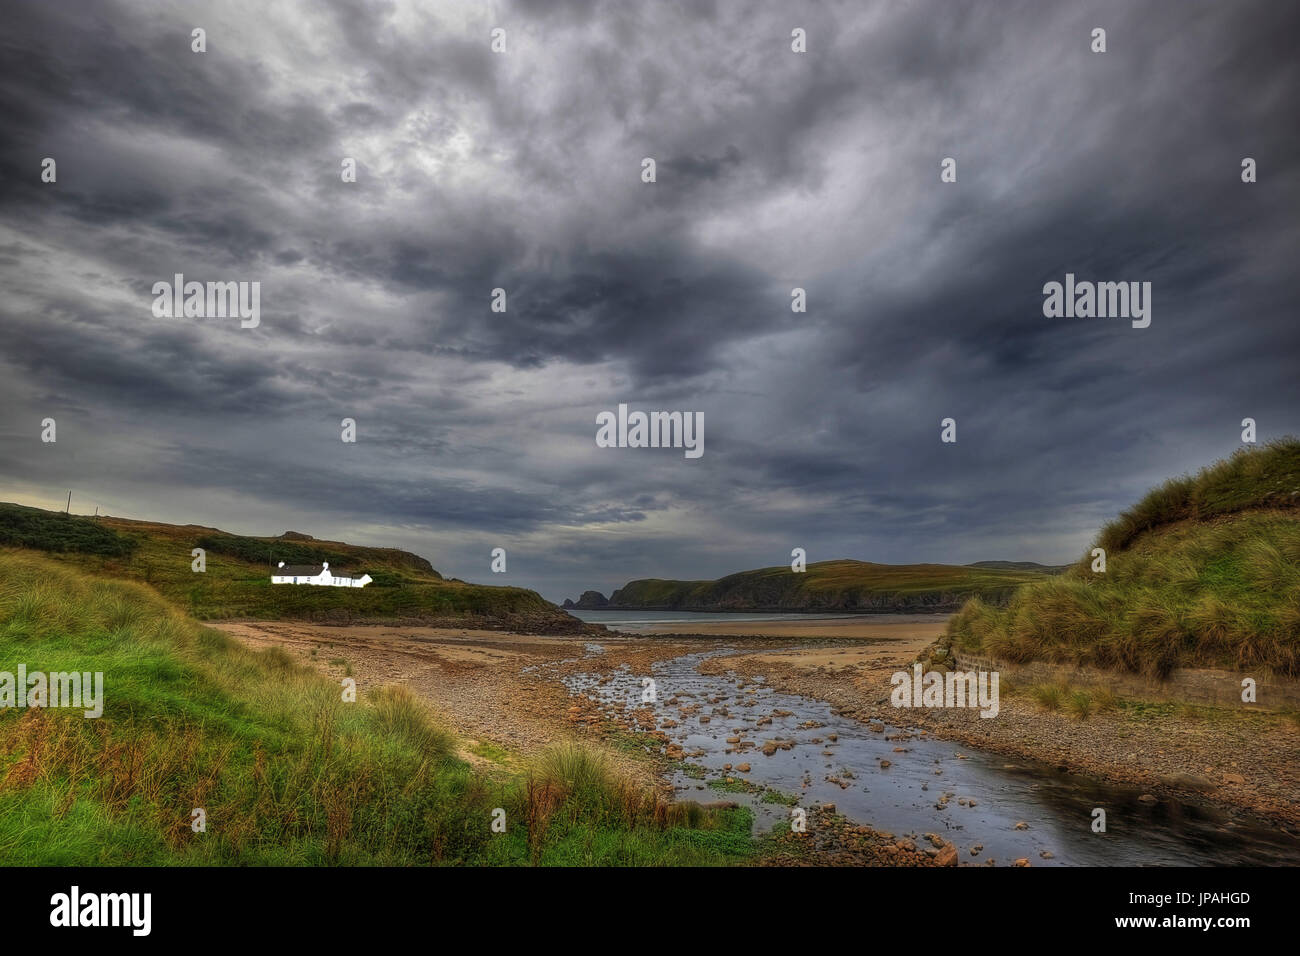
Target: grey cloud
x,y
522,172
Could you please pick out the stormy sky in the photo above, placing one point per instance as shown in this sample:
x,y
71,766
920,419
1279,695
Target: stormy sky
x,y
522,170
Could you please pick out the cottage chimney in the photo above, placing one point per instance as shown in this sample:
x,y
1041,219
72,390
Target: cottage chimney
x,y
281,564
326,565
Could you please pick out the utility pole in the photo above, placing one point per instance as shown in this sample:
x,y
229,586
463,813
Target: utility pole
x,y
68,509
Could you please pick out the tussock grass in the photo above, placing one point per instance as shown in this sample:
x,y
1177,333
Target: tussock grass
x,y
1104,699
1047,696
287,773
1220,590
399,714
576,772
577,785
1250,478
1079,704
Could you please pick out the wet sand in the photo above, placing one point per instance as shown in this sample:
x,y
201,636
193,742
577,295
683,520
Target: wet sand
x,y
922,627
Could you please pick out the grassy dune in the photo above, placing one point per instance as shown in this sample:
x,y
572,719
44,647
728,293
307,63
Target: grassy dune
x,y
829,586
237,583
286,771
1203,571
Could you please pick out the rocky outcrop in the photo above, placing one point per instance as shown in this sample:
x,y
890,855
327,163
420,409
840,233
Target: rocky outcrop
x,y
590,601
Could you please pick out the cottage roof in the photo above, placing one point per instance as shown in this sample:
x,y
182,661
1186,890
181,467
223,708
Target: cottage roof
x,y
299,570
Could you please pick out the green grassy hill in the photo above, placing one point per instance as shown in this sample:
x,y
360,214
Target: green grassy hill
x,y
237,582
829,586
285,770
1203,571
1020,566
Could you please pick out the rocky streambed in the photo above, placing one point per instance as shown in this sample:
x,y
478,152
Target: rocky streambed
x,y
737,738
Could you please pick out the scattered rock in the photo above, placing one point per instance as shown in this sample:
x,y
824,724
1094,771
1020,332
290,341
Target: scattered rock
x,y
1187,781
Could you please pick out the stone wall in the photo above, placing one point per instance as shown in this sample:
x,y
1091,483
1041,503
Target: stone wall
x,y
1196,686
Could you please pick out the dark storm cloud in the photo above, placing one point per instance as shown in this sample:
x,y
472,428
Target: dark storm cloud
x,y
522,171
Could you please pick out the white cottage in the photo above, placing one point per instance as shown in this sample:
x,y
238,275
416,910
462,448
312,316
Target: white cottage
x,y
315,574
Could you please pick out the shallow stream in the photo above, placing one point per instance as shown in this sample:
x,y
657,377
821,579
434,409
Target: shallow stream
x,y
1008,809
